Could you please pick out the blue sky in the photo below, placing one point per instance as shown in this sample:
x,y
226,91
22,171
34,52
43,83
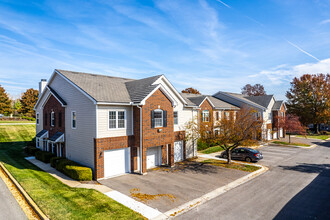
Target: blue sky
x,y
211,45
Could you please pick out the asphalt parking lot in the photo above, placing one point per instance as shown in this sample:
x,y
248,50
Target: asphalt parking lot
x,y
165,189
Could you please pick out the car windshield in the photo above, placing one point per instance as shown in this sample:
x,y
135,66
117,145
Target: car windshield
x,y
253,150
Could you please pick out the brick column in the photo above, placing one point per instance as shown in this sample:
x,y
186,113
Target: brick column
x,y
171,154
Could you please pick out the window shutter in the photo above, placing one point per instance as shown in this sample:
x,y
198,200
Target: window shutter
x,y
152,119
164,119
50,119
54,119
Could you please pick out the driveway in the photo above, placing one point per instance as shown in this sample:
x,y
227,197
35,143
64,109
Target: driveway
x,y
166,188
295,187
9,208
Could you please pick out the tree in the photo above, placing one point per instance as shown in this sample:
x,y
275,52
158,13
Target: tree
x,y
17,106
28,101
292,125
309,99
238,130
255,90
5,102
191,90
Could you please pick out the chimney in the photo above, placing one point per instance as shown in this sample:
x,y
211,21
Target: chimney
x,y
42,85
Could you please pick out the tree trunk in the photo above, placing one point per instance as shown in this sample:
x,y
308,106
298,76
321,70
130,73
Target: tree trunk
x,y
316,128
229,157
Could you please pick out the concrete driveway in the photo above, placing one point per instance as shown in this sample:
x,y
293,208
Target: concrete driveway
x,y
9,208
166,188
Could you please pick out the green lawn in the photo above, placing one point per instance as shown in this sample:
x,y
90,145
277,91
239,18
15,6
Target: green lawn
x,y
212,150
57,201
294,144
321,137
232,165
10,122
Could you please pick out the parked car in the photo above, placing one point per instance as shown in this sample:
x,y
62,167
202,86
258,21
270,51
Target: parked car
x,y
247,154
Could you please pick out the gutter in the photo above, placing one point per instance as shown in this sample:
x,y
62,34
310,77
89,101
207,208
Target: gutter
x,y
141,143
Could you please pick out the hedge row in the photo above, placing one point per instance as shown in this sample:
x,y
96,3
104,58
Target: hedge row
x,y
44,156
31,150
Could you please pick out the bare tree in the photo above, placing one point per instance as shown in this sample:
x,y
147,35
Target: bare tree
x,y
255,90
239,129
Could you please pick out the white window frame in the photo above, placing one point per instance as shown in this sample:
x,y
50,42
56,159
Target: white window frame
x,y
282,114
162,118
117,119
177,118
37,118
227,115
52,120
75,127
203,115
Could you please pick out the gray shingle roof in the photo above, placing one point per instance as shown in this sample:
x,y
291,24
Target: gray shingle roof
x,y
42,132
139,89
55,136
243,98
111,89
197,99
57,95
263,100
277,105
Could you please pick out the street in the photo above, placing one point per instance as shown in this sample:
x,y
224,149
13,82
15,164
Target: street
x,y
9,208
295,187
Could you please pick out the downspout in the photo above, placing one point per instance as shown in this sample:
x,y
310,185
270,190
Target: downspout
x,y
141,164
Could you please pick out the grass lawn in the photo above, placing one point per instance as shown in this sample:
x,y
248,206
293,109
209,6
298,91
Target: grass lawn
x,y
232,165
9,122
56,200
294,144
212,150
321,137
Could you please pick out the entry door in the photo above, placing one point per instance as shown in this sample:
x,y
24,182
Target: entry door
x,y
178,151
281,132
269,134
153,157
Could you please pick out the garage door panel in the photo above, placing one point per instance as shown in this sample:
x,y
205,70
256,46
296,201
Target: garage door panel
x,y
153,157
116,162
178,151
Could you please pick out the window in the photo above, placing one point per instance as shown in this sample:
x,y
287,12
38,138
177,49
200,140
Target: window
x,y
175,117
37,118
121,119
205,116
216,132
60,119
112,119
73,120
52,119
282,114
227,114
158,117
117,119
217,116
269,115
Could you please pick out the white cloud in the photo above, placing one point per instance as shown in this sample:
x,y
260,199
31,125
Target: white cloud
x,y
327,21
285,73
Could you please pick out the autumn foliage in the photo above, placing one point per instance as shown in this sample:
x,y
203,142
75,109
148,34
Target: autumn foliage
x,y
292,125
28,101
191,90
5,103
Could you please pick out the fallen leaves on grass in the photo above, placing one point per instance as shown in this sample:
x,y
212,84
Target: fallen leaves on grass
x,y
232,165
143,197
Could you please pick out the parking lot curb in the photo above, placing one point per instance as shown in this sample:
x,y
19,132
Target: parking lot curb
x,y
213,194
26,196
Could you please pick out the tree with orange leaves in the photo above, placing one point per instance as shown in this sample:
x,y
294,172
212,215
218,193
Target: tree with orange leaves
x,y
292,125
238,130
191,90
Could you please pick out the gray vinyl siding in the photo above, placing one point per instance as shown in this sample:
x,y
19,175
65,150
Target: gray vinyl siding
x,y
103,121
40,111
80,141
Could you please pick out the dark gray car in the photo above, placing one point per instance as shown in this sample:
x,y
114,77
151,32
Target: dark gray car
x,y
247,154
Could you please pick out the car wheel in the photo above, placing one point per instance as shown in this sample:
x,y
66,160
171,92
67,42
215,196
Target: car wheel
x,y
248,159
225,156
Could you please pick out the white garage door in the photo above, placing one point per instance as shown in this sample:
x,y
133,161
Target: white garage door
x,y
269,134
116,162
178,151
153,157
281,132
275,135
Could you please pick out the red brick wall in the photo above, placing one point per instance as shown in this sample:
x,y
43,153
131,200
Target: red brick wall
x,y
55,106
206,105
104,144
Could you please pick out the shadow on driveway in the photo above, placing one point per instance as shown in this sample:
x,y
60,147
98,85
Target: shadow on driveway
x,y
313,201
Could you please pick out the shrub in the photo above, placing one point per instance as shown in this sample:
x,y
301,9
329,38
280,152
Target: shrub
x,y
61,163
28,118
202,145
78,172
54,161
44,156
31,150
